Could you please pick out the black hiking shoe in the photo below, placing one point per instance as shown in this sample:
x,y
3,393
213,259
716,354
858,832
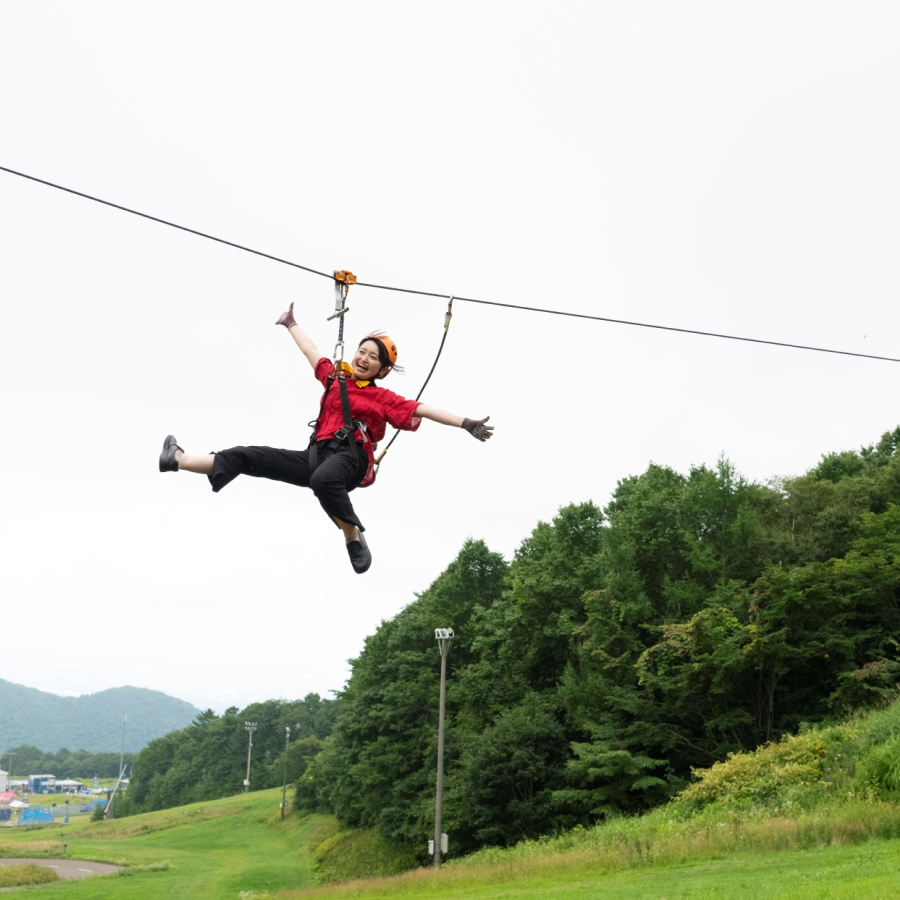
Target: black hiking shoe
x,y
360,557
167,460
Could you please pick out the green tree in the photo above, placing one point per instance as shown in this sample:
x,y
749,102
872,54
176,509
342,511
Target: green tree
x,y
380,766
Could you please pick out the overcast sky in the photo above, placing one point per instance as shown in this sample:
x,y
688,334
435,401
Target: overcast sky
x,y
723,167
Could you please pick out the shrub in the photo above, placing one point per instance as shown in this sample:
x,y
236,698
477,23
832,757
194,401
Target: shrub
x,y
17,876
879,767
769,774
349,855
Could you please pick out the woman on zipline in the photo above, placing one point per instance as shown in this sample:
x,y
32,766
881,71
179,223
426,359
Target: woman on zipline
x,y
342,458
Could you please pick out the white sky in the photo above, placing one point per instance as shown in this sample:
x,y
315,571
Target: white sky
x,y
726,167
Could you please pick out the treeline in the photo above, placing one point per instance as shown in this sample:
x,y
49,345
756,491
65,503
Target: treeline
x,y
694,616
208,759
26,760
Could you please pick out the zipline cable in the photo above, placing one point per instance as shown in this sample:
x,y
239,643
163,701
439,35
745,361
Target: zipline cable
x,y
383,287
559,312
447,318
144,215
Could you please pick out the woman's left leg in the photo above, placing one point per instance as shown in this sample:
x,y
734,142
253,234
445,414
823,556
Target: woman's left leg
x,y
334,478
337,474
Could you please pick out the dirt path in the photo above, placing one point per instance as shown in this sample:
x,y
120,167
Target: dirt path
x,y
66,868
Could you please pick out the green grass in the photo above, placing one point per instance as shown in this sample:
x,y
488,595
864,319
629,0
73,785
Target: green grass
x,y
867,872
206,850
219,849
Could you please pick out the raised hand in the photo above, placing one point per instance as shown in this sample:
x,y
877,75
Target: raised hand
x,y
287,318
477,428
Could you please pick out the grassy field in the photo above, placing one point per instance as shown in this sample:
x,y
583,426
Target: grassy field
x,y
867,872
207,850
223,848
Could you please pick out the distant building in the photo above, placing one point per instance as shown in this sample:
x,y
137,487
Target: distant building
x,y
48,784
67,785
4,782
18,786
41,784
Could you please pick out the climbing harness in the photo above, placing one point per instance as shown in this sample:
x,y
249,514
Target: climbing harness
x,y
340,371
447,317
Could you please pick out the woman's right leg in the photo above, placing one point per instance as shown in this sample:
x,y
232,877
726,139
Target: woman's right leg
x,y
202,465
337,474
289,466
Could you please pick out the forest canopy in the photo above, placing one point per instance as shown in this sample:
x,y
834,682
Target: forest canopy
x,y
208,759
695,615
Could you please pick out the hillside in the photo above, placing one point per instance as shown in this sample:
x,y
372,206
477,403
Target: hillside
x,y
696,615
90,722
209,851
240,847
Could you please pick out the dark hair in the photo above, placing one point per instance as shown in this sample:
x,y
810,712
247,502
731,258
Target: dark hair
x,y
383,357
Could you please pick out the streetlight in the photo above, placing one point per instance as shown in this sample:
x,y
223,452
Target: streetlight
x,y
122,754
249,727
287,737
444,636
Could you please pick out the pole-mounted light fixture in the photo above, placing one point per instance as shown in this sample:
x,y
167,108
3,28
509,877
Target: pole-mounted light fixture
x,y
443,637
287,737
249,727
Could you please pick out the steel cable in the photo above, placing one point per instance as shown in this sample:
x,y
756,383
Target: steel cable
x,y
384,287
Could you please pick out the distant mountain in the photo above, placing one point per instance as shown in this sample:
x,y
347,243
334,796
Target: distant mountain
x,y
91,722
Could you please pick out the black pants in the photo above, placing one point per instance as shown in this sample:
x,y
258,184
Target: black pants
x,y
337,473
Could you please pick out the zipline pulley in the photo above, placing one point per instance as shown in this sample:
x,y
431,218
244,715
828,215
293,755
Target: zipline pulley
x,y
342,282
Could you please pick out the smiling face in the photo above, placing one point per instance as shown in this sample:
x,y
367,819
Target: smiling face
x,y
367,362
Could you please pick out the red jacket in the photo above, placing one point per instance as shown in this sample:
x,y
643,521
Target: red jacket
x,y
375,405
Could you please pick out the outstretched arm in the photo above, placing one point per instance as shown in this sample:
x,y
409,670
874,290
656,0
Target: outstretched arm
x,y
301,339
475,427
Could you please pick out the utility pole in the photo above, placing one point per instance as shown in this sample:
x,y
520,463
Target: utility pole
x,y
287,737
122,753
249,727
444,636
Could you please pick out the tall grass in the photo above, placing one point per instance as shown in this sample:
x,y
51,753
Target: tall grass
x,y
32,849
18,876
634,843
832,785
656,839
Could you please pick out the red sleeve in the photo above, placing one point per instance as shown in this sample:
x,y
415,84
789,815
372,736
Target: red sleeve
x,y
399,412
323,369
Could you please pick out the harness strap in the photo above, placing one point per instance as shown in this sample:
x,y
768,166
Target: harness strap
x,y
347,433
313,448
345,401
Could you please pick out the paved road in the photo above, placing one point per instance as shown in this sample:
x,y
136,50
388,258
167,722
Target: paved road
x,y
66,868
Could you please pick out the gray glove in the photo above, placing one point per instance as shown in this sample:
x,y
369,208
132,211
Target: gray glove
x,y
477,428
287,318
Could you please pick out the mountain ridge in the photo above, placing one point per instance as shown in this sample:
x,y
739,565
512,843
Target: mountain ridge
x,y
90,722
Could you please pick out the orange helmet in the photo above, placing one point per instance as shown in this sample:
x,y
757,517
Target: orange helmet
x,y
387,342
